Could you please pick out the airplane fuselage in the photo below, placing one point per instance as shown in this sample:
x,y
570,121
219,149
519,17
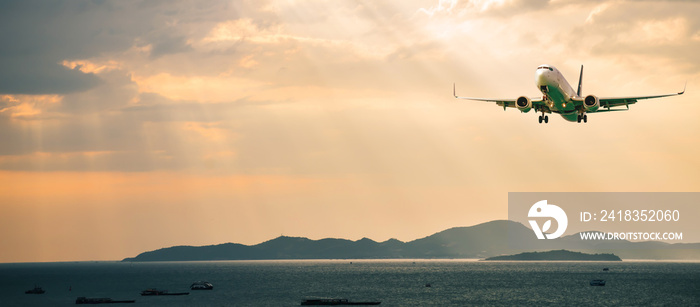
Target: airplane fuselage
x,y
557,92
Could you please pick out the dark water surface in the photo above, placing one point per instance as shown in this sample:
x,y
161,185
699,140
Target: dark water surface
x,y
394,282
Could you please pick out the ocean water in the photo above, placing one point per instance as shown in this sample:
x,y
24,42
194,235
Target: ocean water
x,y
393,282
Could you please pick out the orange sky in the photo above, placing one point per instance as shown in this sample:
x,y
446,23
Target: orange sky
x,y
233,122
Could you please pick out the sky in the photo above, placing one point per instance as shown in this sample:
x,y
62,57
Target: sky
x,y
128,126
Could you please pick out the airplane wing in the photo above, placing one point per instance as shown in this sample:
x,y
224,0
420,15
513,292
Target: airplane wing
x,y
610,102
505,103
624,101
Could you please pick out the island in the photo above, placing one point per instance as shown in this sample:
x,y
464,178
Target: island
x,y
473,242
555,255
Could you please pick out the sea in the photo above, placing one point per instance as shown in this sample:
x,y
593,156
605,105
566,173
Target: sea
x,y
393,282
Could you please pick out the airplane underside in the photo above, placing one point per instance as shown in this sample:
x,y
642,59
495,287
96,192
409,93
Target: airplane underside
x,y
573,116
556,102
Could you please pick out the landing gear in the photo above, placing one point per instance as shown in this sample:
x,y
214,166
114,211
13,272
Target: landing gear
x,y
583,117
542,117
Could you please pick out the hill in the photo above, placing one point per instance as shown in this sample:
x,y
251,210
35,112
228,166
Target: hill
x,y
555,255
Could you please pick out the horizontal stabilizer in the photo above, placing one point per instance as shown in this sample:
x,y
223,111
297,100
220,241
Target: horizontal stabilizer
x,y
610,110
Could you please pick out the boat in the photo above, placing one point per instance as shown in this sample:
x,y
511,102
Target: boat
x,y
606,269
597,282
36,290
334,302
152,292
202,285
101,300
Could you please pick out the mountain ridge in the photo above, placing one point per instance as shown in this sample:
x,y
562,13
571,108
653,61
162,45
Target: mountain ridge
x,y
493,238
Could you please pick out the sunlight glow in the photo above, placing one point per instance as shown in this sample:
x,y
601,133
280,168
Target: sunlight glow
x,y
204,124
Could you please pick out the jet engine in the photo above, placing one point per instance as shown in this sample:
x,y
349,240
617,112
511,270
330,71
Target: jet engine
x,y
591,103
523,104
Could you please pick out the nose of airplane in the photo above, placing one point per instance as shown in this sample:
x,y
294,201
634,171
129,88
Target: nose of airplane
x,y
541,77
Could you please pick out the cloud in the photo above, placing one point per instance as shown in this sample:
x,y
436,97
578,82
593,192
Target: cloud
x,y
115,91
443,6
484,8
169,45
23,75
38,36
235,82
660,31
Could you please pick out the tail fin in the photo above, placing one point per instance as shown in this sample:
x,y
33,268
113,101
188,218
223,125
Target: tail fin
x,y
580,82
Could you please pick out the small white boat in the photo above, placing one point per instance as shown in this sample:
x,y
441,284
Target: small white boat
x,y
201,285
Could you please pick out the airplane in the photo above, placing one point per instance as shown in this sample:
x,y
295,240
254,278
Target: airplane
x,y
559,97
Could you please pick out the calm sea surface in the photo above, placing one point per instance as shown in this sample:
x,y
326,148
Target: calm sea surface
x,y
394,282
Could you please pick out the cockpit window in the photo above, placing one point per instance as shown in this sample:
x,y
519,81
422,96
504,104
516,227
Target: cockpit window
x,y
545,67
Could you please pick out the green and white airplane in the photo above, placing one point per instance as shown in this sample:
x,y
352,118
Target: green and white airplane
x,y
559,97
